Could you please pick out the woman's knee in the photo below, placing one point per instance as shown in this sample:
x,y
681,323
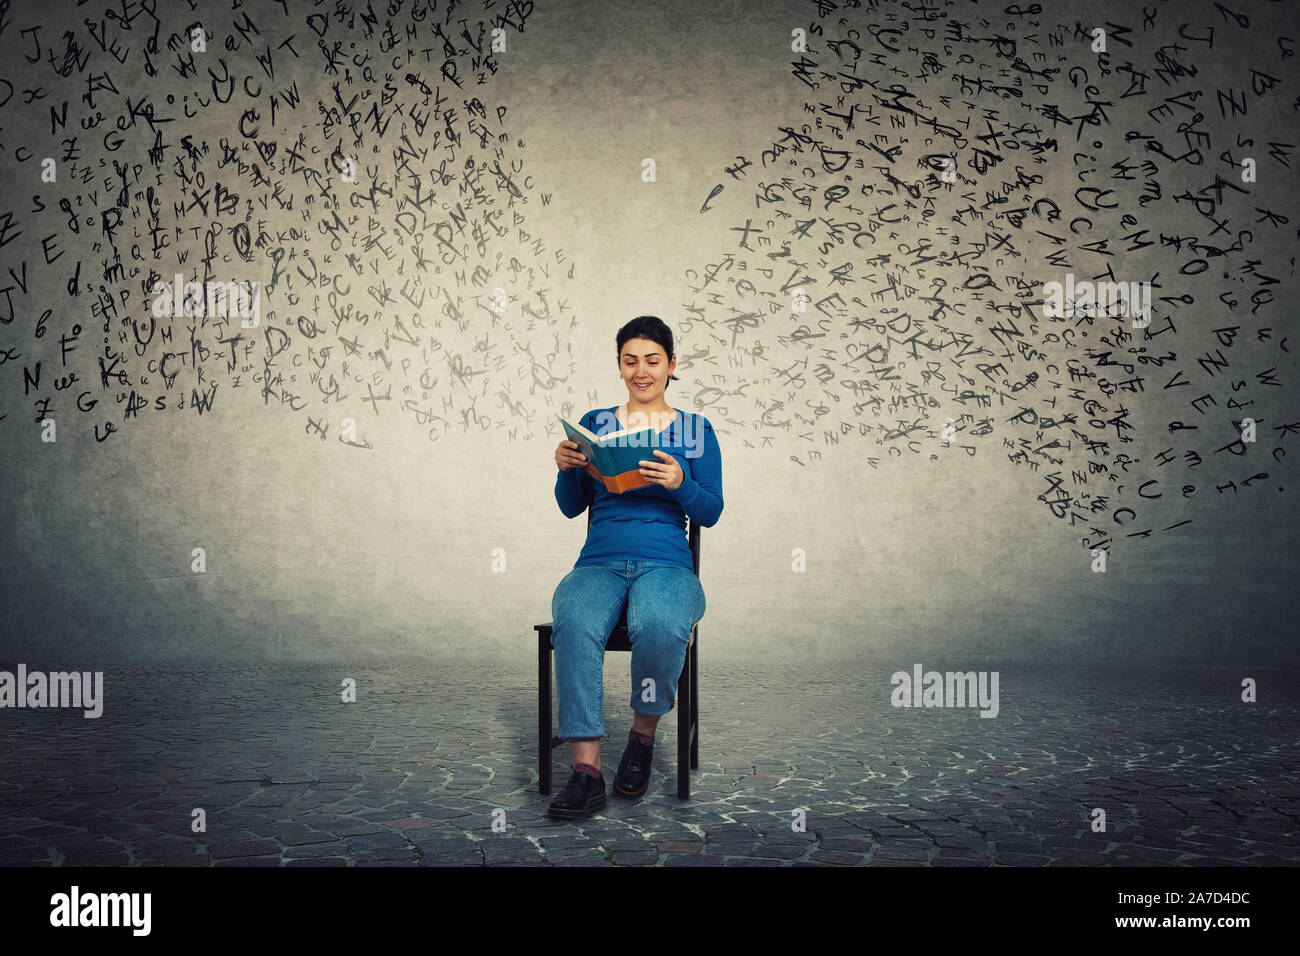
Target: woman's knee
x,y
670,624
572,625
671,609
578,631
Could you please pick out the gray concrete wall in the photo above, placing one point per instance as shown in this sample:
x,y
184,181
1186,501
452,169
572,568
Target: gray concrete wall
x,y
435,526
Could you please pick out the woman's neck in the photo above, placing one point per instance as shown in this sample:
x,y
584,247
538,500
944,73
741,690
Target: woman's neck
x,y
634,413
632,406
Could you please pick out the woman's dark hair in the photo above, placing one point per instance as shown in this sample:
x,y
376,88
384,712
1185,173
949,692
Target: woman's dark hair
x,y
648,327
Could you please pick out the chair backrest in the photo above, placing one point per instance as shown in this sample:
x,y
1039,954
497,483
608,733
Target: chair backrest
x,y
692,534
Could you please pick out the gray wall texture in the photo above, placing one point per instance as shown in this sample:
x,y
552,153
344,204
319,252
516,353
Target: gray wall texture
x,y
850,215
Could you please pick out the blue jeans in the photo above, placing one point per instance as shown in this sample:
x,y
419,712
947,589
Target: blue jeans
x,y
663,602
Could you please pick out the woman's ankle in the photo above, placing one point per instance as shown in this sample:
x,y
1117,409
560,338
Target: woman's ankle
x,y
586,751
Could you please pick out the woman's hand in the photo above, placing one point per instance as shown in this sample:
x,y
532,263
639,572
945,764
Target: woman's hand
x,y
664,471
567,457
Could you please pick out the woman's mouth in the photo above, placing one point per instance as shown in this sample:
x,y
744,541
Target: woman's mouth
x,y
642,387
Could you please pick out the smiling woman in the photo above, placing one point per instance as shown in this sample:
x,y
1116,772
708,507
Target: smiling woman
x,y
635,557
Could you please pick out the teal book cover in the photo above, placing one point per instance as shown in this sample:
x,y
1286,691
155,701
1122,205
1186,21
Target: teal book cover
x,y
617,456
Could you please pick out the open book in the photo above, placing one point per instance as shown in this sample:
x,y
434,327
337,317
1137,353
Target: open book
x,y
617,455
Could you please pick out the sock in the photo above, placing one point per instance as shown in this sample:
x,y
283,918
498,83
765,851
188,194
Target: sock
x,y
642,739
588,769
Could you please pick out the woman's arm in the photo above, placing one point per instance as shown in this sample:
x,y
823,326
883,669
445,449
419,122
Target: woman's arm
x,y
573,487
572,490
701,495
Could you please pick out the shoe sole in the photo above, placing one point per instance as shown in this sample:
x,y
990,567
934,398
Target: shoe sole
x,y
560,813
632,794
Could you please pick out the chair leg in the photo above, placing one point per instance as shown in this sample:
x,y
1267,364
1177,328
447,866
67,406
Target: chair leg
x,y
684,697
543,714
695,702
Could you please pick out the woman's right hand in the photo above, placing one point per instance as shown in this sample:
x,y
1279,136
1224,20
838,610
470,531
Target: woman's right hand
x,y
568,457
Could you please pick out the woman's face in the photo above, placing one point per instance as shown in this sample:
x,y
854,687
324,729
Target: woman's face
x,y
644,361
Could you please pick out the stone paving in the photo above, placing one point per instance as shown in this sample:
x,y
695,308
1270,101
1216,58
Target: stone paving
x,y
412,773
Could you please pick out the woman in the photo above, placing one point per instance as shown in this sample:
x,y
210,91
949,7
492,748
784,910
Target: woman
x,y
636,555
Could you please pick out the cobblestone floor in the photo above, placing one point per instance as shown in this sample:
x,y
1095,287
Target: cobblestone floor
x,y
412,773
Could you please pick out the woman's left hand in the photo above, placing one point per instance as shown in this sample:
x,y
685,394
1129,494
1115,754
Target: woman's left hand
x,y
665,471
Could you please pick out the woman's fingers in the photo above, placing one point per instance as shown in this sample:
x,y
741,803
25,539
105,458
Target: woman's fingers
x,y
567,454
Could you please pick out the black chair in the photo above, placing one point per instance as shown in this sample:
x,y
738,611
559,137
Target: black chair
x,y
686,704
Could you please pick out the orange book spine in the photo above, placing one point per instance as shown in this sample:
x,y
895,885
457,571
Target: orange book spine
x,y
624,481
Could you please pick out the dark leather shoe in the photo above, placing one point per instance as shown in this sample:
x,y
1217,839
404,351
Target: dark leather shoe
x,y
634,769
581,797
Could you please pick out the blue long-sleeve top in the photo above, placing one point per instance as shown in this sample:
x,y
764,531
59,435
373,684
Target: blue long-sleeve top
x,y
648,523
